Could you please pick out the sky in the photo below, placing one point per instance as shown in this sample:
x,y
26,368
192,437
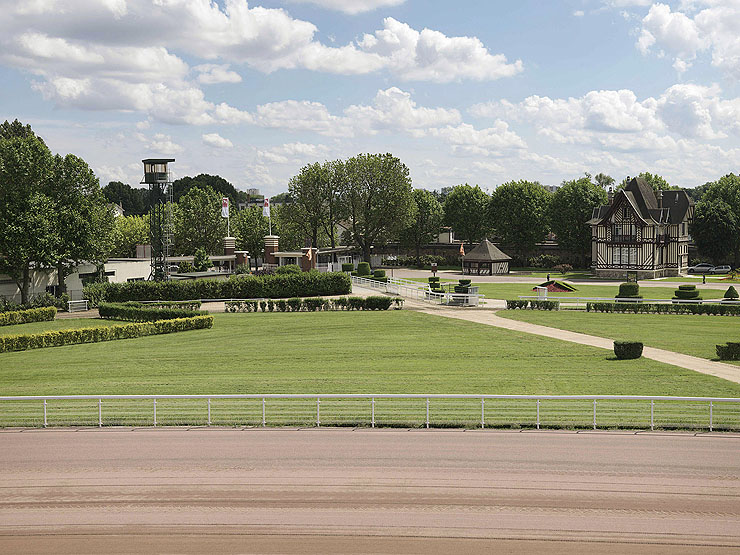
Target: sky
x,y
467,91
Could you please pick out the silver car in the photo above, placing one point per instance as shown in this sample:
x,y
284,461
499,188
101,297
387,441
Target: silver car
x,y
720,270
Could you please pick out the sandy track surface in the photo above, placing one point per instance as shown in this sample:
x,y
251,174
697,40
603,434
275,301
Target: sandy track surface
x,y
367,491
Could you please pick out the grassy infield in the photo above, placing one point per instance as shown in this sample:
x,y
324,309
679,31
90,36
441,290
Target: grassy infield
x,y
368,352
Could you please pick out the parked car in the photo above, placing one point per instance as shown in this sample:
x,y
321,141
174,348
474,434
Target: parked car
x,y
721,270
703,268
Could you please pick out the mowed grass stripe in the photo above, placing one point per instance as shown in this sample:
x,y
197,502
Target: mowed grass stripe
x,y
357,352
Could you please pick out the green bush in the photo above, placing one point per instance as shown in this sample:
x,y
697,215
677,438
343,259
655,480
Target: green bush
x,y
201,261
465,282
104,333
348,267
658,308
184,305
318,304
185,267
294,304
378,303
629,290
433,279
379,273
304,284
730,351
544,305
363,269
516,304
688,287
288,269
44,314
241,306
356,303
314,304
134,313
686,294
627,350
731,293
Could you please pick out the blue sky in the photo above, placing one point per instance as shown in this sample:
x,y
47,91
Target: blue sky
x,y
469,91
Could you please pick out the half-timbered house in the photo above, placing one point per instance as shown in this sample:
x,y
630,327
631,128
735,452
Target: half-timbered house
x,y
641,231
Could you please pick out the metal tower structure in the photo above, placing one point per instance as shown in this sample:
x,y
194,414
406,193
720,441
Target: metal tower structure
x,y
157,178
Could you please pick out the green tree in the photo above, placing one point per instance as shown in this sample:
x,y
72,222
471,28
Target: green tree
x,y
184,185
127,232
604,181
28,238
16,130
654,180
201,262
571,207
465,211
198,222
720,204
82,218
376,198
519,211
427,223
134,201
249,228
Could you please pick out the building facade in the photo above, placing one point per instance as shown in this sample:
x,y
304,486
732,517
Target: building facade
x,y
642,232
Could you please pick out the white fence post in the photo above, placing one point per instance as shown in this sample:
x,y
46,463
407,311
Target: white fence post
x,y
652,414
209,411
155,411
264,422
44,413
427,412
482,412
538,414
711,426
372,411
594,414
100,413
318,412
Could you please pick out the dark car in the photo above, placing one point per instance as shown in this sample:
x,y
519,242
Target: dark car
x,y
721,269
702,268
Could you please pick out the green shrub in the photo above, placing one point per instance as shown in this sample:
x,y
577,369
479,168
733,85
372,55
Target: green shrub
x,y
465,282
304,284
104,333
730,351
627,350
658,308
433,279
185,267
686,294
314,304
628,290
363,269
378,302
379,273
688,287
341,303
288,269
201,262
263,306
516,304
282,305
241,306
356,303
348,267
731,293
294,304
544,305
44,314
398,302
134,313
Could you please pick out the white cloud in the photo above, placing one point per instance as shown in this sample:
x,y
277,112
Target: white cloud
x,y
432,56
468,141
715,28
159,144
211,74
352,7
579,13
217,141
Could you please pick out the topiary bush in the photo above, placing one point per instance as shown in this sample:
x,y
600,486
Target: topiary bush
x,y
629,290
363,269
378,303
731,293
729,351
627,350
379,273
686,292
348,267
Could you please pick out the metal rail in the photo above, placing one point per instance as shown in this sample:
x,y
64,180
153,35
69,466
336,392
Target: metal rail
x,y
417,291
425,410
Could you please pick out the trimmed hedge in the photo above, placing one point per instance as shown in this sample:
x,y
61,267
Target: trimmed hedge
x,y
533,305
348,267
315,304
44,314
729,351
185,305
133,313
628,289
305,284
686,293
656,308
731,293
104,333
627,350
363,269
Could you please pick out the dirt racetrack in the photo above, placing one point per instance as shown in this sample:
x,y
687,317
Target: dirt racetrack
x,y
367,491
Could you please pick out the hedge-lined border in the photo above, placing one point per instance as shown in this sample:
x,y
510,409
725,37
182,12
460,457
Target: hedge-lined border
x,y
185,305
729,351
44,314
532,305
136,312
305,284
78,336
314,304
658,308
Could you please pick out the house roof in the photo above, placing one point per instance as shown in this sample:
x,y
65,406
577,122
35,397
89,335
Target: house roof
x,y
486,252
673,208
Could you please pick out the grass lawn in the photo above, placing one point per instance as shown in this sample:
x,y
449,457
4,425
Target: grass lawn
x,y
688,334
358,352
54,325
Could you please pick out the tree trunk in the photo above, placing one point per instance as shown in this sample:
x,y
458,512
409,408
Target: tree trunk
x,y
24,284
366,252
61,275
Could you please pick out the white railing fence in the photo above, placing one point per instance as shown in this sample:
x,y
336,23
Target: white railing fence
x,y
368,410
578,301
418,291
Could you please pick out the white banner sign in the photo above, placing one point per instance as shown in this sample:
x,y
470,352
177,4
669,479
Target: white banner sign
x,y
266,208
224,207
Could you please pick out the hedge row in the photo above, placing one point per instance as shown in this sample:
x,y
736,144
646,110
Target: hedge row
x,y
305,284
26,316
314,304
137,313
730,351
185,305
627,350
104,333
673,308
533,305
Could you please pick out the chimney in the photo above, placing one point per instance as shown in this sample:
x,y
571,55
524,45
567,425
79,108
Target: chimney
x,y
659,197
610,195
271,246
229,246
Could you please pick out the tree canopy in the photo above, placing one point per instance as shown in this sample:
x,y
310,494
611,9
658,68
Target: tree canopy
x,y
133,200
182,187
519,211
198,222
570,208
465,210
716,227
427,222
652,179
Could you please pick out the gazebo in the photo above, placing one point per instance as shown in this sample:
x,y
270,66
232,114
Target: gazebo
x,y
486,260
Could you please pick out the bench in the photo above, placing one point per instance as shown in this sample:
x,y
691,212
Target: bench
x,y
77,306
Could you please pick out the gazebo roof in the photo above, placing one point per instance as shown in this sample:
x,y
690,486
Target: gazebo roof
x,y
486,252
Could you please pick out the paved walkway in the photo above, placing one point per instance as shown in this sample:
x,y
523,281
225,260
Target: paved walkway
x,y
489,318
